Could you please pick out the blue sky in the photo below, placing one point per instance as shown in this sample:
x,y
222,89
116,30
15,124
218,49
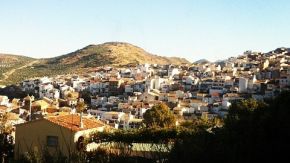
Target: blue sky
x,y
193,29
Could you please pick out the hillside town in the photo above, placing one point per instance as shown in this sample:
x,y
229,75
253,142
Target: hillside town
x,y
117,98
189,81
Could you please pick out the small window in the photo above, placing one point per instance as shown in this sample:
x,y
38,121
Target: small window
x,y
52,141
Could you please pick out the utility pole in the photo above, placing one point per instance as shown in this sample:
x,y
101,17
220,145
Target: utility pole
x,y
81,120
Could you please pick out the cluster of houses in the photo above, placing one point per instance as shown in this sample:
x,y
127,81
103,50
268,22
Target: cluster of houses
x,y
118,97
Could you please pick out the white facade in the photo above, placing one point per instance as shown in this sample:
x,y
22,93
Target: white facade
x,y
243,85
75,81
149,83
44,80
28,85
44,90
172,72
98,101
4,100
99,87
157,82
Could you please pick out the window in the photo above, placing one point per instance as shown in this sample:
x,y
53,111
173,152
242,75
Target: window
x,y
52,141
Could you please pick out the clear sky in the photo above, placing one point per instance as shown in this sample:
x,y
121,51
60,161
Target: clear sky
x,y
193,29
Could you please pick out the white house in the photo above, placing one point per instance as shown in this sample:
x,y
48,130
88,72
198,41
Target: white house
x,y
75,80
95,101
157,82
28,85
198,105
112,118
99,87
243,84
172,72
129,122
229,98
4,100
47,90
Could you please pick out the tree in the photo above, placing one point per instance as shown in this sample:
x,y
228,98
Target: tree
x,y
243,110
81,106
6,140
86,95
253,131
248,105
159,116
5,127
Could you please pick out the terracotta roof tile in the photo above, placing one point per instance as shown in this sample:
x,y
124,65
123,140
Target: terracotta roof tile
x,y
72,122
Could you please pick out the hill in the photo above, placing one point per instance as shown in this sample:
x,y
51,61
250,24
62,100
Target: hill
x,y
201,61
115,54
9,63
7,60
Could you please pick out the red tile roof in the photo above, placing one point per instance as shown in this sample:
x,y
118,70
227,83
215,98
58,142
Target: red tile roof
x,y
72,122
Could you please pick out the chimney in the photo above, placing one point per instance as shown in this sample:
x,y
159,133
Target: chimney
x,y
81,120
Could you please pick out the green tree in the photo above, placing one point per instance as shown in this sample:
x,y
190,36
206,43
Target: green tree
x,y
253,131
86,95
243,110
159,116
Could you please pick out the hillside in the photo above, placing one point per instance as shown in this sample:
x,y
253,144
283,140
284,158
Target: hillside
x,y
201,61
8,60
114,54
9,63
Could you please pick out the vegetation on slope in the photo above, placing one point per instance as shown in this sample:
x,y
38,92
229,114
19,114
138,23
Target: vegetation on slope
x,y
114,54
10,62
253,131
